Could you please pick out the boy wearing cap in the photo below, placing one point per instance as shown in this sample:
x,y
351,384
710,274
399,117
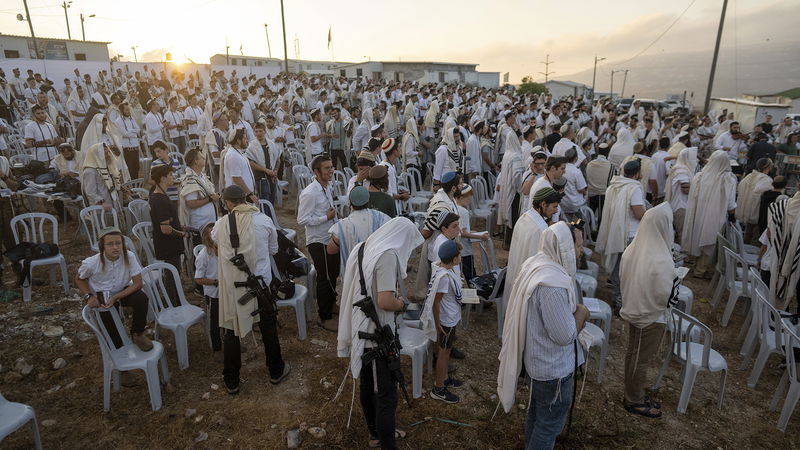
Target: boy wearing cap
x,y
378,198
443,306
356,227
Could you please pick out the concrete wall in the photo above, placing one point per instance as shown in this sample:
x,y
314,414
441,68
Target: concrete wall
x,y
749,115
54,49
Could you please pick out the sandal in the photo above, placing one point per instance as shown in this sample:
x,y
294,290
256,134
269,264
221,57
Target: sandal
x,y
644,409
654,403
375,442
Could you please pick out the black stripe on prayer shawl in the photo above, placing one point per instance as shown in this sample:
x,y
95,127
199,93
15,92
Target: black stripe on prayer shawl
x,y
776,211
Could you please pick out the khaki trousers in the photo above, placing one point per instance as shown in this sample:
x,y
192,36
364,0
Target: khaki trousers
x,y
643,344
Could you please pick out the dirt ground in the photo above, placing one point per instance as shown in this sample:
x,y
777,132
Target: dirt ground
x,y
200,414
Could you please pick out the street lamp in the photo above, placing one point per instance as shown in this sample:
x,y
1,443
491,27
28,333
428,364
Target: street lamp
x,y
83,19
66,5
594,72
135,59
612,81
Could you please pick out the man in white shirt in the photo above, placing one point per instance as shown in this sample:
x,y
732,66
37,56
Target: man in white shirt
x,y
191,115
314,134
100,98
247,107
129,131
575,190
236,167
316,212
215,138
566,142
235,118
658,172
78,105
41,136
175,127
154,123
732,141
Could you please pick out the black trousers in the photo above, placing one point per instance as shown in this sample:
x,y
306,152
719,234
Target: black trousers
x,y
514,216
213,309
467,267
131,155
137,301
338,155
272,349
379,401
327,272
175,261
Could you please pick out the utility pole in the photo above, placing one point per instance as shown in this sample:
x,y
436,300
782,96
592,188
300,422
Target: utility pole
x,y
285,52
66,5
30,24
612,82
594,73
269,49
547,72
83,19
622,94
227,55
714,59
135,59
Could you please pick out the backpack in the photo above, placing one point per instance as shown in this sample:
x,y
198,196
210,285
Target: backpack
x,y
25,252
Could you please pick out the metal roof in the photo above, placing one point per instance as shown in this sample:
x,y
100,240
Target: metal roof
x,y
53,39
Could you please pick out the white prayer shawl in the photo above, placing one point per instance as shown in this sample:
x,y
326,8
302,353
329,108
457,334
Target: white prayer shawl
x,y
724,128
441,202
707,206
524,244
553,266
356,228
190,183
622,148
427,319
399,236
646,166
408,112
748,196
391,122
685,165
232,315
784,229
613,234
510,179
94,134
95,159
647,269
255,153
430,116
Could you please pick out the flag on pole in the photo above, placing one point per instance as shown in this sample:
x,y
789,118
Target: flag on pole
x,y
329,38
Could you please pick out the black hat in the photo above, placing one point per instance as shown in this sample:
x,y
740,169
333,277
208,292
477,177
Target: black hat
x,y
233,192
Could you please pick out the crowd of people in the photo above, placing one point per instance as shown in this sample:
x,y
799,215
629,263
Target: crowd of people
x,y
208,151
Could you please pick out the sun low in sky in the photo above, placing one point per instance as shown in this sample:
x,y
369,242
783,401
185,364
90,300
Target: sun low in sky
x,y
504,36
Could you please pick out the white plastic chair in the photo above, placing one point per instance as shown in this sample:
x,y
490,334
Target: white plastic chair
x,y
415,346
178,156
93,219
20,160
748,253
599,340
717,284
592,268
693,356
600,311
135,183
128,357
496,297
32,227
144,233
13,416
768,323
587,283
685,299
298,302
139,211
737,285
177,319
790,377
757,287
268,209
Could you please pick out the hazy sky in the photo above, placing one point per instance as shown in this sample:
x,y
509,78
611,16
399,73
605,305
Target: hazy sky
x,y
505,36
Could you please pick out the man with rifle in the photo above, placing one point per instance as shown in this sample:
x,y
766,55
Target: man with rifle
x,y
245,240
367,332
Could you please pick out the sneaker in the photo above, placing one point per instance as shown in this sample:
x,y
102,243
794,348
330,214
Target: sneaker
x,y
232,390
143,342
456,353
441,393
286,369
452,382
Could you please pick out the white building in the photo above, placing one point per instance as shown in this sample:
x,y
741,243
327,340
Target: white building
x,y
748,112
275,65
14,47
565,88
423,72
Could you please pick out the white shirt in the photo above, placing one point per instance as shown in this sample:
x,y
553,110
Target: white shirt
x,y
192,113
314,203
72,165
114,277
205,266
205,214
474,159
733,146
129,130
561,147
153,125
449,308
463,222
314,131
236,164
174,118
444,163
392,172
40,132
679,200
658,171
98,98
266,243
637,199
573,199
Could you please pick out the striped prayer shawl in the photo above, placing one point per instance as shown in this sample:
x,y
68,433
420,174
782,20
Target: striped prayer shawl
x,y
785,242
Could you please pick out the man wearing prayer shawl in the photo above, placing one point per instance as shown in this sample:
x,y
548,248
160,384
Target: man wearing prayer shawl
x,y
712,201
356,227
783,229
622,212
544,325
676,188
749,194
622,148
649,286
509,184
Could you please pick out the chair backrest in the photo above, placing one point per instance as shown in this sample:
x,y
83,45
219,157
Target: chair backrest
x,y
155,285
722,244
144,233
172,147
488,257
478,196
757,285
302,176
736,237
416,177
501,277
348,172
492,181
419,218
135,183
143,193
197,249
768,320
589,218
20,160
32,227
682,321
732,262
94,218
140,210
193,143
267,208
92,318
296,159
792,340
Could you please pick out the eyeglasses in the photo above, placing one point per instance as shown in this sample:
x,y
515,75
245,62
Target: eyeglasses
x,y
113,244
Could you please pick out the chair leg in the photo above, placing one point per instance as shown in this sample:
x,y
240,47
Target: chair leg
x,y
722,379
779,391
417,363
745,328
162,361
601,365
107,388
465,320
37,439
717,294
726,316
748,346
182,346
713,285
789,405
64,276
300,313
663,369
26,289
758,367
153,386
689,376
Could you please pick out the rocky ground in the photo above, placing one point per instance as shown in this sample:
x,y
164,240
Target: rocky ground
x,y
50,360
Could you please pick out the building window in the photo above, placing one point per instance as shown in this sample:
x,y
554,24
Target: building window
x,y
342,73
397,76
80,56
359,72
441,77
11,54
377,75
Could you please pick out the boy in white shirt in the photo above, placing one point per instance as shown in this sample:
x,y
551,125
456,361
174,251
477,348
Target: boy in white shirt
x,y
463,199
446,291
205,274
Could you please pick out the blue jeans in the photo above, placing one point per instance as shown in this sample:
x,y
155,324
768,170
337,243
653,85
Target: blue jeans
x,y
549,407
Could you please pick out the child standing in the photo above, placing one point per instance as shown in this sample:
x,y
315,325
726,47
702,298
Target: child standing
x,y
463,199
205,274
442,314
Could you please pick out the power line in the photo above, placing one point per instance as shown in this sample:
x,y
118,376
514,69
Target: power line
x,y
659,36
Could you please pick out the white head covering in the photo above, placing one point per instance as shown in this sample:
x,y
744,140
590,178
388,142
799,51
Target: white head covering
x,y
622,148
430,116
686,164
95,158
706,210
94,134
647,268
399,236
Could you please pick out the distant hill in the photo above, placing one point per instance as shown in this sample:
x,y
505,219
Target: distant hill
x,y
762,69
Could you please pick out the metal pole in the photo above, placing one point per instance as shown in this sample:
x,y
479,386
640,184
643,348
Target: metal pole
x,y
285,52
625,79
594,73
612,84
30,24
714,59
269,48
83,32
135,59
65,5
